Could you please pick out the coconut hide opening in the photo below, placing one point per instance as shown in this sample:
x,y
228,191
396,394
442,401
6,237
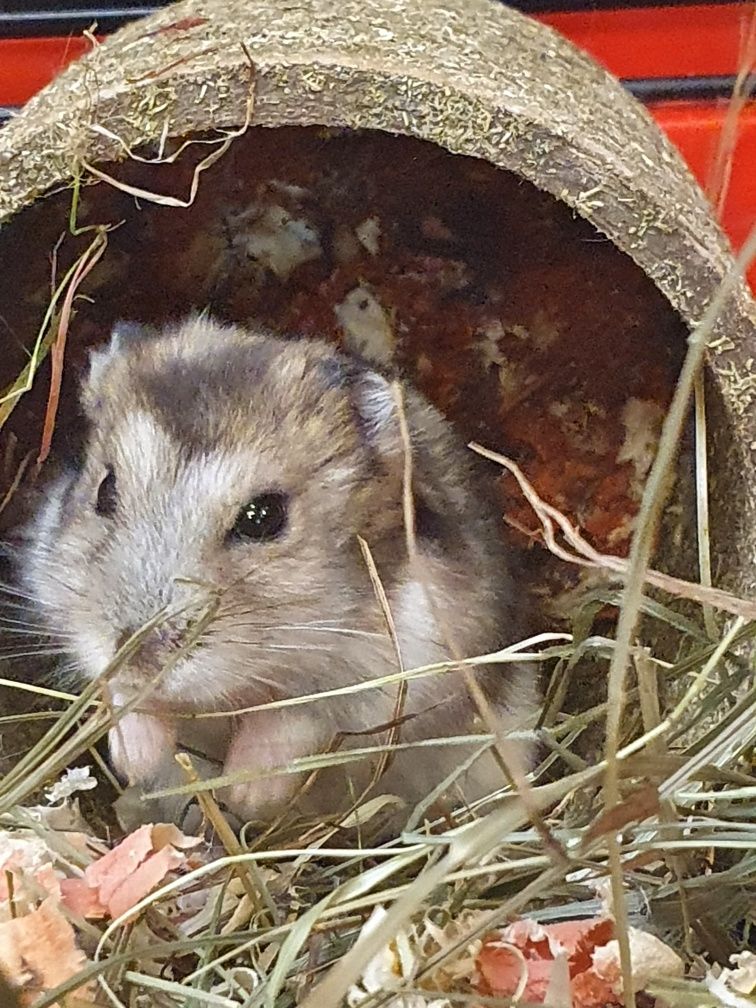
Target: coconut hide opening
x,y
522,323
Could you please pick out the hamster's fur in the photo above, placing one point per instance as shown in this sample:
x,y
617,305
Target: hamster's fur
x,y
188,425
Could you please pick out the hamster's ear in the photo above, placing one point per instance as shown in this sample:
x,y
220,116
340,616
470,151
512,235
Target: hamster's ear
x,y
101,359
373,398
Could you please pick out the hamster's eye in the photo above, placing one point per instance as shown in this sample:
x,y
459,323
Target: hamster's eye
x,y
106,496
263,518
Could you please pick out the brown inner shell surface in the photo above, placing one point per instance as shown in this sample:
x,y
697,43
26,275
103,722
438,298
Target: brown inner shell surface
x,y
522,323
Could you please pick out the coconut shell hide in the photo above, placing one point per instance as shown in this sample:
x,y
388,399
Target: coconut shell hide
x,y
359,113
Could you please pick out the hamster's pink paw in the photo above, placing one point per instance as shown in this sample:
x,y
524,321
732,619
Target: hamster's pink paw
x,y
139,745
263,743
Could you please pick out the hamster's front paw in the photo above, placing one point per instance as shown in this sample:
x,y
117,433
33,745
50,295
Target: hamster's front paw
x,y
140,745
265,747
142,751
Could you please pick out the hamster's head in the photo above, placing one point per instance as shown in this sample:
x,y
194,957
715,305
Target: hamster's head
x,y
224,469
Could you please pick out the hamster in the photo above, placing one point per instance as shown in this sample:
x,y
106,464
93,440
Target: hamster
x,y
235,471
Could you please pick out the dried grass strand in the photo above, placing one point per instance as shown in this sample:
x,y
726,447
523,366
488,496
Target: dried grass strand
x,y
586,556
84,266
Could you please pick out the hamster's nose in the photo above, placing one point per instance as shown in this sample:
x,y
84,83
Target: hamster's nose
x,y
162,636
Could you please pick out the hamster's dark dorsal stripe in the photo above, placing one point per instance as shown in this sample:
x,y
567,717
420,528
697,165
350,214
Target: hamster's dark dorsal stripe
x,y
188,394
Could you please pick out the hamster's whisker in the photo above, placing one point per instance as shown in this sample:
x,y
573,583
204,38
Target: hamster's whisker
x,y
318,622
12,598
24,615
254,677
21,607
240,608
40,653
15,592
311,628
267,647
63,584
245,677
33,628
16,621
63,676
49,571
238,611
6,631
39,645
68,673
308,624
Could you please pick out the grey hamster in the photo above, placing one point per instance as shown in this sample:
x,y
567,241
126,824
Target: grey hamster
x,y
237,469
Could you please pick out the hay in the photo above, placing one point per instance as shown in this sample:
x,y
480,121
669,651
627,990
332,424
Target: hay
x,y
490,866
666,814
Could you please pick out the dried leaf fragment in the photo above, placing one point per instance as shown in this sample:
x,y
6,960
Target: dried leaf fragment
x,y
125,875
521,961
